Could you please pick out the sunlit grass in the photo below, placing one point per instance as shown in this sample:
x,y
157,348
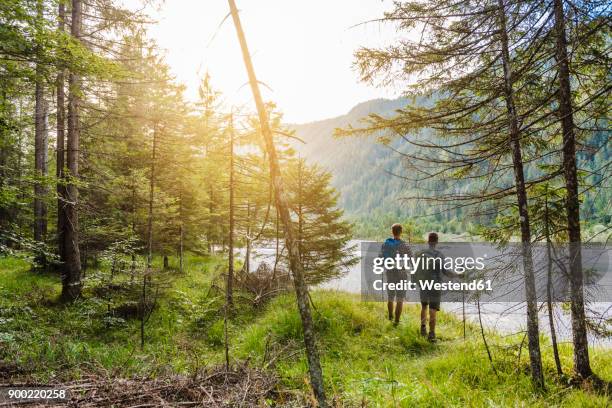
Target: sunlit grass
x,y
365,359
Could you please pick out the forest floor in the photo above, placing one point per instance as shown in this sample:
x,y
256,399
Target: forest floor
x,y
366,361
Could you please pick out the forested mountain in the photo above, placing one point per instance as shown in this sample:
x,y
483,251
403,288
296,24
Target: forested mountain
x,y
358,165
371,176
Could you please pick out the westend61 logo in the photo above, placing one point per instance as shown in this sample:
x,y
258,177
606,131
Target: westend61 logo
x,y
470,271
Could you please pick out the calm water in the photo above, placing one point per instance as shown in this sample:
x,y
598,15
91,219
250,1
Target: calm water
x,y
504,317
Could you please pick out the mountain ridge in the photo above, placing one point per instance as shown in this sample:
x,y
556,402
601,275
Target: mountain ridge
x,y
362,169
358,163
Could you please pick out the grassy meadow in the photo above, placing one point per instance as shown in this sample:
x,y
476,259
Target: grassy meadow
x,y
366,361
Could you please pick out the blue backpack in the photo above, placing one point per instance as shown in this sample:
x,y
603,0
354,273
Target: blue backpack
x,y
391,247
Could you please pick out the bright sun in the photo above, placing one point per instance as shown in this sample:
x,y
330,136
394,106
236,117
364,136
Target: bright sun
x,y
303,51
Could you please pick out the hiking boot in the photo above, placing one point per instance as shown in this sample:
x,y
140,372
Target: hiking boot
x,y
432,337
423,330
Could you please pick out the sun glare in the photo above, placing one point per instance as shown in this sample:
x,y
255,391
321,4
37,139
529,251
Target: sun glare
x,y
303,51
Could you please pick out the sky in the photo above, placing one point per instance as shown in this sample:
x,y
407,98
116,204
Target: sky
x,y
301,50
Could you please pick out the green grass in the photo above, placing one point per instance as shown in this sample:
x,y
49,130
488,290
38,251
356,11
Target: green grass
x,y
54,340
365,359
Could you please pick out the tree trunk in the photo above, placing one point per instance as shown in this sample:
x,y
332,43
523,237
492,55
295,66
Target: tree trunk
x,y
181,249
549,300
484,338
133,264
60,148
300,214
211,209
277,247
142,313
463,311
230,268
181,228
582,365
71,276
247,256
146,275
301,290
4,213
41,144
535,357
151,197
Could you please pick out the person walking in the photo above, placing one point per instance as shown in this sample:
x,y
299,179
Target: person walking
x,y
431,268
390,249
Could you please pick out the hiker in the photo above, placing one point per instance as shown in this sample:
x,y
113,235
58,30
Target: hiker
x,y
431,268
391,248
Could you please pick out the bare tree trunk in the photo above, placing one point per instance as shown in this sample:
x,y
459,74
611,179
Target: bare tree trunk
x,y
463,311
4,212
226,338
230,268
147,272
484,338
300,214
142,309
277,249
181,249
181,228
582,365
551,320
247,257
71,275
41,144
229,286
133,264
211,209
535,356
60,148
151,197
301,290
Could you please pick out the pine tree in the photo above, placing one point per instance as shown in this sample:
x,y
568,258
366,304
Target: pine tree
x,y
323,235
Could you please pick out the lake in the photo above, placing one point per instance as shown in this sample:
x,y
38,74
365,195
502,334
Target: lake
x,y
505,317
